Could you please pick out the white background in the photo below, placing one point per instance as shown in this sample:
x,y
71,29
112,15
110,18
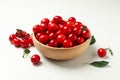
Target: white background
x,y
101,16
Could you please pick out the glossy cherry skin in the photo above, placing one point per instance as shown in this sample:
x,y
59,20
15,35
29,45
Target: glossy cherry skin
x,y
66,30
44,39
72,37
60,26
24,43
73,19
47,33
52,35
101,52
53,43
35,59
16,42
59,32
60,38
38,35
78,24
45,20
11,37
70,24
63,22
52,27
77,31
80,40
31,41
85,33
67,43
36,28
43,27
57,19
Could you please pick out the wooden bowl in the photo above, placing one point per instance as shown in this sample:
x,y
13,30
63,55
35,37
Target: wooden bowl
x,y
61,53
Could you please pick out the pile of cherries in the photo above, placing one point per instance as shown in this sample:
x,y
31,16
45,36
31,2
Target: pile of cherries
x,y
61,33
21,39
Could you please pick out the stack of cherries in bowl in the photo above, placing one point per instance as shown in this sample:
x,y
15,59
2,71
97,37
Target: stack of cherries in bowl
x,y
61,39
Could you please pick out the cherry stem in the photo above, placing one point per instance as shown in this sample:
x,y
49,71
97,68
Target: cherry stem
x,y
26,52
83,28
111,52
18,30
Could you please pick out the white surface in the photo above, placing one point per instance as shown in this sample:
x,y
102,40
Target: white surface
x,y
101,16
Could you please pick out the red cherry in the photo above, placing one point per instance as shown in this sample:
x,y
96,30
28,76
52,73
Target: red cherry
x,y
72,37
52,27
60,38
36,28
78,24
63,22
16,42
85,33
67,43
70,24
72,19
22,34
101,52
83,27
53,43
30,41
11,37
57,19
44,39
43,27
26,36
80,40
60,26
66,30
24,43
52,35
35,59
47,33
77,31
45,20
59,32
38,35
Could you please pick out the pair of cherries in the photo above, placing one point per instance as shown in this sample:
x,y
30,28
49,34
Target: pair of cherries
x,y
21,39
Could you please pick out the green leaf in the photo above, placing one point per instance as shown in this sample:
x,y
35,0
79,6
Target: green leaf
x,y
26,51
99,63
93,40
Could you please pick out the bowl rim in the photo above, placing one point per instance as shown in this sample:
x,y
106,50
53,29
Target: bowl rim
x,y
33,36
